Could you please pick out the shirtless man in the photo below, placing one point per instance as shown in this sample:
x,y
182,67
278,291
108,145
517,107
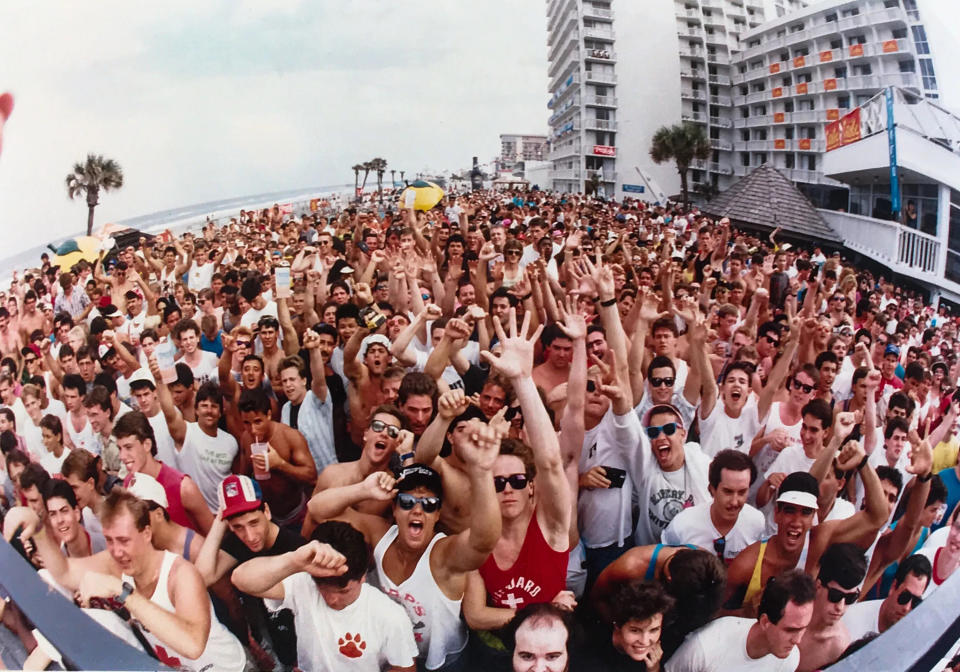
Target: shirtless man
x,y
268,330
842,568
32,319
365,357
252,377
9,336
288,459
385,435
555,369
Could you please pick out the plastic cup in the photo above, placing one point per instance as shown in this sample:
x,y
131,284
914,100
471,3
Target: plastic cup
x,y
258,448
283,282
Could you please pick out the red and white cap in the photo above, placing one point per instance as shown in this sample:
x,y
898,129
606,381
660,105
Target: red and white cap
x,y
238,494
147,488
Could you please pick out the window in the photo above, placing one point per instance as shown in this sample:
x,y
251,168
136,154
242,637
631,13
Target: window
x,y
788,132
760,134
788,106
899,33
744,90
811,161
805,77
787,81
831,18
843,102
784,56
809,132
908,66
929,77
745,135
850,12
841,72
790,161
836,44
745,161
864,69
796,28
858,39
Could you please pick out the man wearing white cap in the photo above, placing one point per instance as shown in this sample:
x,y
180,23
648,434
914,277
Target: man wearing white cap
x,y
365,357
167,535
144,390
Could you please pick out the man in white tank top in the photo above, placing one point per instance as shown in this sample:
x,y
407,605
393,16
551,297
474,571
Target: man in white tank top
x,y
424,570
163,593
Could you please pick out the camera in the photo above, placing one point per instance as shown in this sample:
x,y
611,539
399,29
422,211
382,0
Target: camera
x,y
372,319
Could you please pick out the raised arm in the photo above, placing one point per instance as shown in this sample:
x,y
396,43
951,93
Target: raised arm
x,y
291,343
211,561
339,502
779,372
175,421
263,576
318,374
449,406
553,492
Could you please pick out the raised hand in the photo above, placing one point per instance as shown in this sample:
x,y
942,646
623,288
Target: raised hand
x,y
432,312
320,560
488,252
451,404
363,292
310,340
850,457
380,485
516,358
21,517
480,445
572,322
921,458
457,330
844,423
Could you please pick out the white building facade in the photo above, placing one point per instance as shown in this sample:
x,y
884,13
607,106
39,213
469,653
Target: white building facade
x,y
515,148
800,72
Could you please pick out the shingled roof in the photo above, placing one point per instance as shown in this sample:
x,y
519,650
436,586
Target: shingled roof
x,y
765,199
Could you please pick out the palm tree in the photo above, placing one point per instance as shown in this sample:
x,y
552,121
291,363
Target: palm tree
x,y
683,143
357,167
393,178
401,177
379,166
90,177
367,167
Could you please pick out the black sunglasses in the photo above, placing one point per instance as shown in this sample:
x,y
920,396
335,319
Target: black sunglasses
x,y
516,481
905,597
591,386
797,385
836,595
406,501
668,429
379,425
660,382
771,340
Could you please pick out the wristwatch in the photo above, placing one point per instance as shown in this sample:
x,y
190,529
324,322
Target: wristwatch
x,y
125,593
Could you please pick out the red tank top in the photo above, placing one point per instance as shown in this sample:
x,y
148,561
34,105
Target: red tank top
x,y
170,479
537,576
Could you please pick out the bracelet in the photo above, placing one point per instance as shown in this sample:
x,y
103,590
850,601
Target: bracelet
x,y
924,479
608,303
863,462
526,296
407,456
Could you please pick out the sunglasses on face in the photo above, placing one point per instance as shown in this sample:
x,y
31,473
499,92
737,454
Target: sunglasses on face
x,y
379,426
511,253
668,429
906,597
771,340
516,481
807,389
660,382
836,595
243,344
407,501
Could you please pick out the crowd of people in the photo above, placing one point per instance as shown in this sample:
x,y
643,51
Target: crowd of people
x,y
524,430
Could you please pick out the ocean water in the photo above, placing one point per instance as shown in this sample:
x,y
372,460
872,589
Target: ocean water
x,y
184,218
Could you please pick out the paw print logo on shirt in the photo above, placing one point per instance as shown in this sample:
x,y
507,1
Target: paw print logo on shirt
x,y
352,646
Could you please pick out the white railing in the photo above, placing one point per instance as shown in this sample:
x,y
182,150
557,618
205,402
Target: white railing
x,y
601,101
565,174
601,78
918,250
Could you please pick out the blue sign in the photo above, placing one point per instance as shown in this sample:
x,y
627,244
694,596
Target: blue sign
x,y
634,188
892,143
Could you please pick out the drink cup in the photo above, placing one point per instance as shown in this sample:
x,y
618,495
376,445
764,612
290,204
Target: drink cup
x,y
258,448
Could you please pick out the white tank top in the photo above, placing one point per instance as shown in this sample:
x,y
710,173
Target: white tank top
x,y
168,280
223,650
436,618
85,438
767,455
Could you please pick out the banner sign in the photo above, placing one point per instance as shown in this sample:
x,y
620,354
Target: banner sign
x,y
890,47
833,114
799,61
778,117
826,56
604,150
777,92
801,88
634,188
779,143
774,68
829,84
856,50
803,143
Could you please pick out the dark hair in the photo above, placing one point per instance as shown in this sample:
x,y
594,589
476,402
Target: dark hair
x,y
82,464
520,450
825,357
914,371
916,564
639,600
747,368
209,391
250,289
661,362
891,475
328,329
348,541
99,396
293,362
551,333
7,413
52,423
34,475
664,323
938,491
73,381
254,401
135,423
790,586
733,460
819,409
894,424
185,325
17,456
105,380
843,563
348,310
390,409
57,487
901,400
416,383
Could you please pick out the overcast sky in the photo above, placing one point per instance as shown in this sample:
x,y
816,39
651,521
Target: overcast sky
x,y
203,101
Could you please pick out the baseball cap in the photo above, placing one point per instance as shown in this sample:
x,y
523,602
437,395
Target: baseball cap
x,y
891,349
662,408
419,475
147,488
109,310
373,339
141,376
799,488
238,494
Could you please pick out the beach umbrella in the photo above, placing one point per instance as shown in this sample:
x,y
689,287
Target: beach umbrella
x,y
425,195
74,249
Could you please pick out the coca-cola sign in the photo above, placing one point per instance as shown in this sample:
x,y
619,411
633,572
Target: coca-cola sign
x,y
604,150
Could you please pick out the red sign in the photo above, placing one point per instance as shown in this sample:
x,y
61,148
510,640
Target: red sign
x,y
801,87
803,143
779,143
798,62
774,68
604,150
851,127
286,209
833,114
890,47
834,133
826,56
829,84
856,50
314,204
777,92
778,117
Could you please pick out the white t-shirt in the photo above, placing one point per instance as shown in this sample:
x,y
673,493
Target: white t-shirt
x,y
862,618
52,463
718,431
251,317
791,459
207,460
199,277
206,370
687,410
721,646
695,526
368,635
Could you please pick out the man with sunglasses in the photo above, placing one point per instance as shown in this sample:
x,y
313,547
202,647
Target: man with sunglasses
x,y
911,580
842,568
